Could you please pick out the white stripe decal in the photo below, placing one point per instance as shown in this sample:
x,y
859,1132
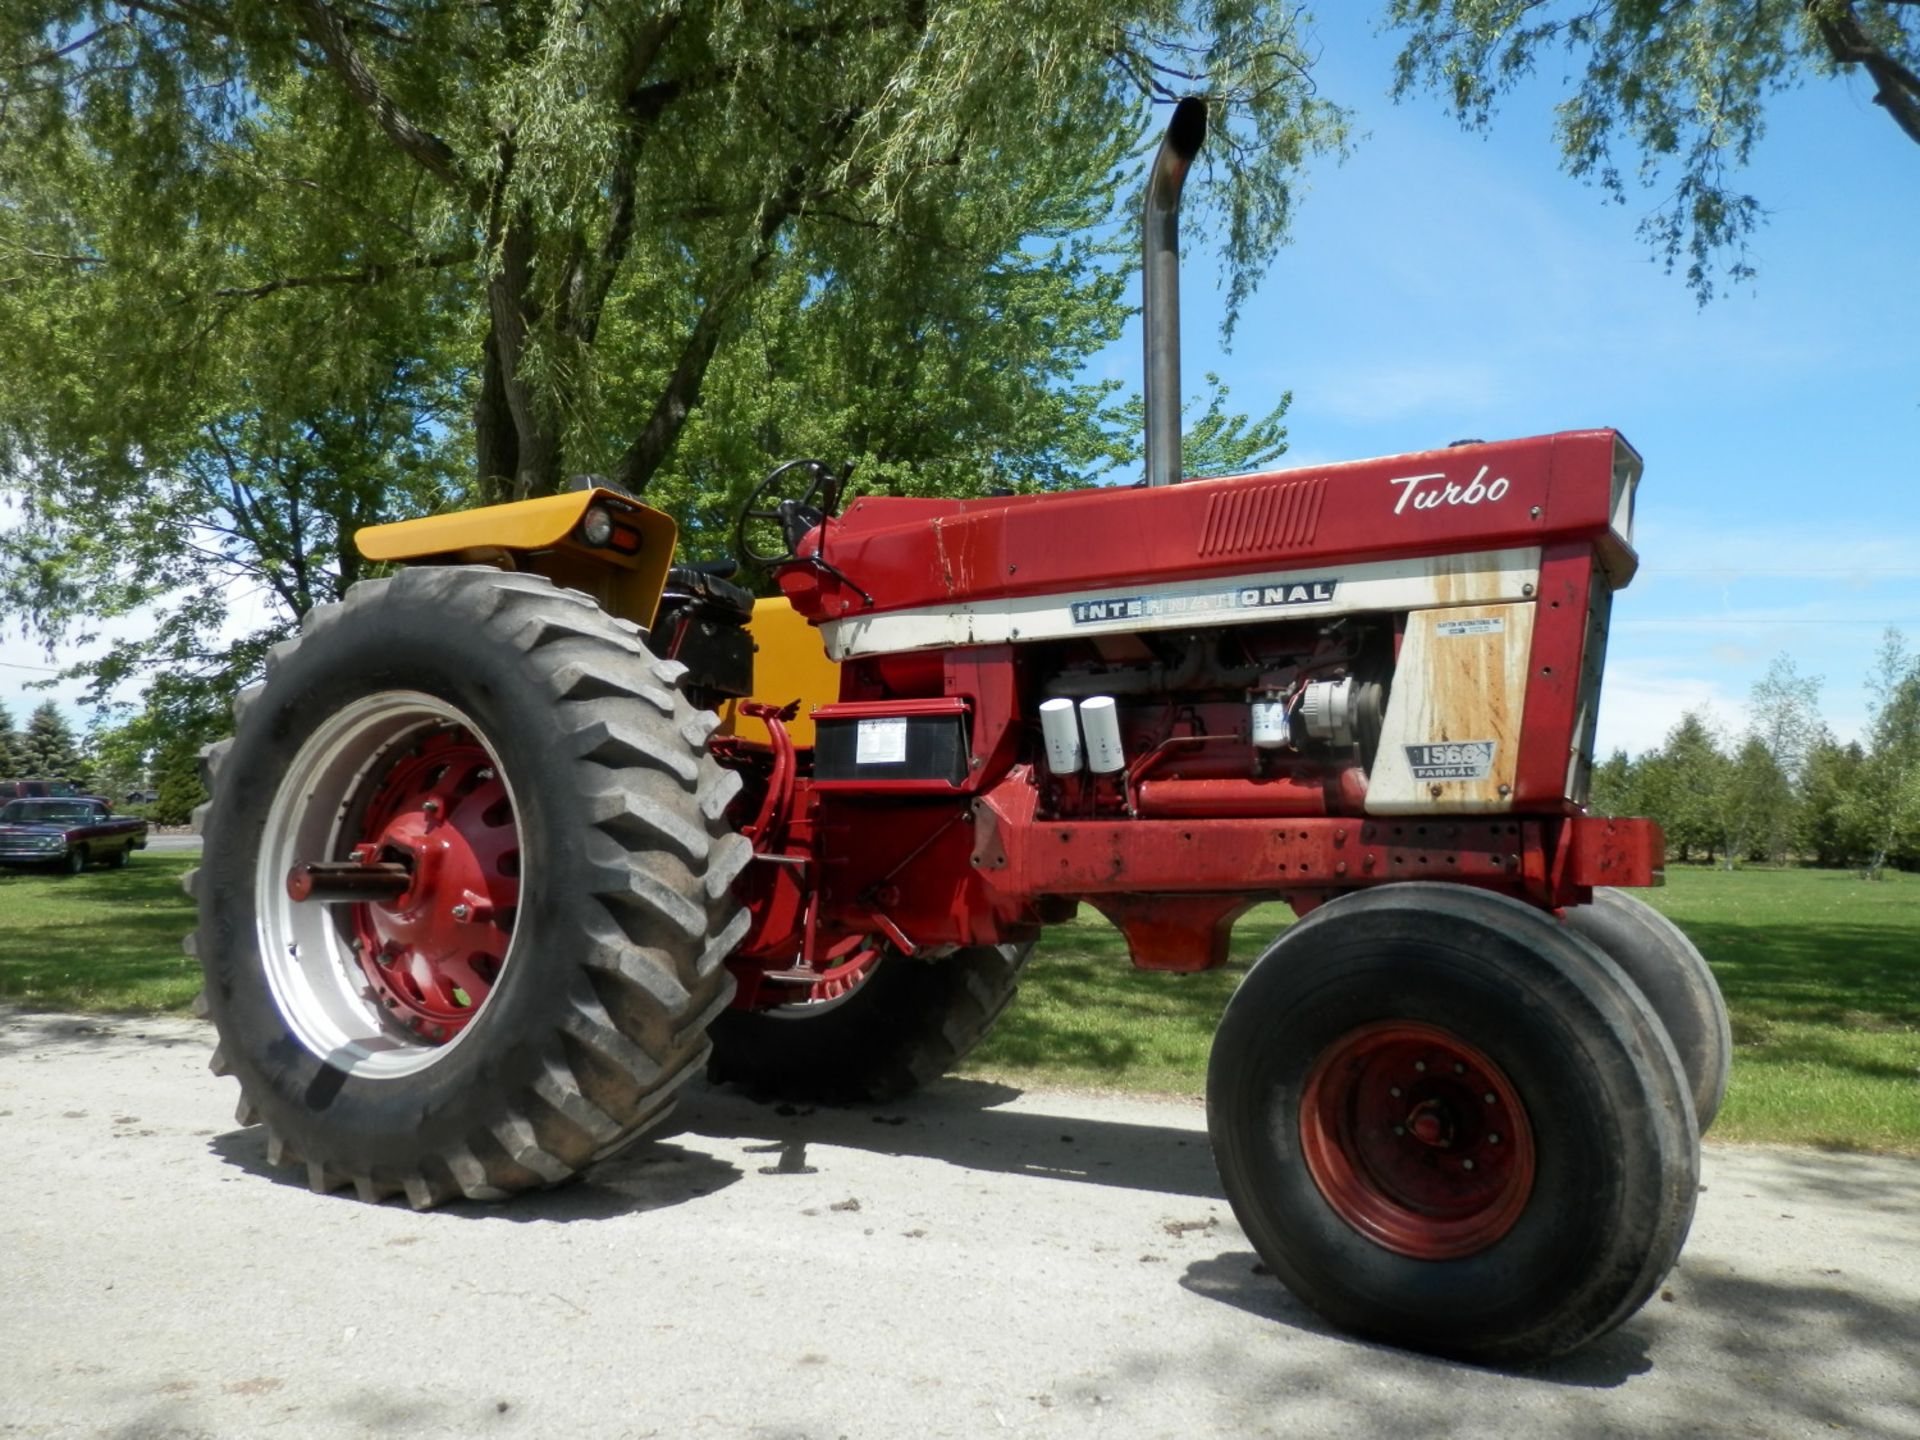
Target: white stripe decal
x,y
1477,578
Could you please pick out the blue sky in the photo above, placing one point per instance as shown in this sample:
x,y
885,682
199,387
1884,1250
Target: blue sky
x,y
1445,285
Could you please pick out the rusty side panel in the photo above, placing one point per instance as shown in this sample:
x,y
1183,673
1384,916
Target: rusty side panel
x,y
1451,737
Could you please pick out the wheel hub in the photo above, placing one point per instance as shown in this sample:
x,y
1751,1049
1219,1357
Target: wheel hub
x,y
1417,1140
434,952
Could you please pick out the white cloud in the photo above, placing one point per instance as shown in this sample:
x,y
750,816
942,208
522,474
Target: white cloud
x,y
1640,701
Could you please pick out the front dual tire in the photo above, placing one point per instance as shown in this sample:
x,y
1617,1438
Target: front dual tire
x,y
1448,1123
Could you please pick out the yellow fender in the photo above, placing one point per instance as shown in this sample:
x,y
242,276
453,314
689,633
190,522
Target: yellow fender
x,y
625,573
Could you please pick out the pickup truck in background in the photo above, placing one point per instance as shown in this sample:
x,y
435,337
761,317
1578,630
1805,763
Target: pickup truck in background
x,y
68,832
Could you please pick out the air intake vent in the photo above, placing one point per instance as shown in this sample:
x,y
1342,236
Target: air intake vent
x,y
1277,515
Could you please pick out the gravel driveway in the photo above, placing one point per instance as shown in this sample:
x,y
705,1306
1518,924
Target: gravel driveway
x,y
976,1262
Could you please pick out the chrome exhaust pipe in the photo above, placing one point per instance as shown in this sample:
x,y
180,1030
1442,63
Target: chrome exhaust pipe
x,y
1160,286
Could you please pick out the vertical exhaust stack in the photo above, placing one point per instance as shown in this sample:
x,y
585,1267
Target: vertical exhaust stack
x,y
1160,286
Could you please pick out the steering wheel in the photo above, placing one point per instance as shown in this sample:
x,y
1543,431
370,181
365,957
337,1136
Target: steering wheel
x,y
795,497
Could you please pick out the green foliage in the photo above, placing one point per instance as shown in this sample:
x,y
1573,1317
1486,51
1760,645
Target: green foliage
x,y
1884,805
178,789
1684,788
271,272
48,749
1827,829
1220,442
9,745
1683,86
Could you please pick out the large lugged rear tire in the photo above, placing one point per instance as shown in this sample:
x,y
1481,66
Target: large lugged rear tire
x,y
906,1022
1671,972
1447,1123
544,985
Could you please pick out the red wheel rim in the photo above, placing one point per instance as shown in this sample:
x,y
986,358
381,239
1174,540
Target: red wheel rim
x,y
848,964
1417,1140
435,953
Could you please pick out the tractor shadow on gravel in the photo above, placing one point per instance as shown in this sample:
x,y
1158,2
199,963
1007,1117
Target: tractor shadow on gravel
x,y
652,1174
1740,1353
959,1122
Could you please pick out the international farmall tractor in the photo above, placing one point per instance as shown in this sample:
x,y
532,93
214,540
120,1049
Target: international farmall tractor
x,y
511,844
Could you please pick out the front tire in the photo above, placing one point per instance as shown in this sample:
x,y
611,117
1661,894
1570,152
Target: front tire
x,y
904,1024
542,988
1671,972
1448,1124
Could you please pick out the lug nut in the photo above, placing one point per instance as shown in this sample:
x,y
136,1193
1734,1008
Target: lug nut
x,y
1459,1069
1395,1092
1492,1139
1466,1164
462,912
1420,1065
1489,1097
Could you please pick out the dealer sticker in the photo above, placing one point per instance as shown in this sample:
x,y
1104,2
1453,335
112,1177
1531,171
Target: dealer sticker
x,y
881,742
1452,760
1489,625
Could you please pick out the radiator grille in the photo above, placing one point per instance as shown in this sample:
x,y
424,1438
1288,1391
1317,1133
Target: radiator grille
x,y
1276,515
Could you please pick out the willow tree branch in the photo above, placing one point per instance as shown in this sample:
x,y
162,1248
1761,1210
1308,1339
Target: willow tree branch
x,y
326,30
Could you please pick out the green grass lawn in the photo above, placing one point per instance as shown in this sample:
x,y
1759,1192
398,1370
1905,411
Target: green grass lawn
x,y
1821,972
102,940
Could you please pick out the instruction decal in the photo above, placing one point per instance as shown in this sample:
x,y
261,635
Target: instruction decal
x,y
881,742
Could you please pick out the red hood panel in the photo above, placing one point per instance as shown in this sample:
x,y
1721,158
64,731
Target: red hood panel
x,y
909,553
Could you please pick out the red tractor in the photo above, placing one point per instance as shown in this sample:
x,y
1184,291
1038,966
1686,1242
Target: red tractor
x,y
511,844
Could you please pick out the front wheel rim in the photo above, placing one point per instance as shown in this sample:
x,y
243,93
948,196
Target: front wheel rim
x,y
386,989
1417,1140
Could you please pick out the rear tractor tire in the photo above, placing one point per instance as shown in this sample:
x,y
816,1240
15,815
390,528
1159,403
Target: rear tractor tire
x,y
534,998
1675,978
1447,1123
901,1024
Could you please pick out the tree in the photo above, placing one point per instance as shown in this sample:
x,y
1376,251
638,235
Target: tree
x,y
1886,796
1220,442
276,271
1612,789
1827,827
9,744
178,790
1683,788
1786,724
48,747
1685,85
1751,802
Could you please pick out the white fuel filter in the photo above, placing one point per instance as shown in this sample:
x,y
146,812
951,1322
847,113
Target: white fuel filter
x,y
1061,728
1100,723
1270,728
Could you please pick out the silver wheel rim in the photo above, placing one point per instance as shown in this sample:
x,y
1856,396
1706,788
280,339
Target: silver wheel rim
x,y
311,968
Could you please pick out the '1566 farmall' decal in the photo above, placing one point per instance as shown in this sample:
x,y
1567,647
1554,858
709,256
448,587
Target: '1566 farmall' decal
x,y
1454,760
1429,492
1209,602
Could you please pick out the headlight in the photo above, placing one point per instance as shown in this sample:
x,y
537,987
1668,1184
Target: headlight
x,y
597,528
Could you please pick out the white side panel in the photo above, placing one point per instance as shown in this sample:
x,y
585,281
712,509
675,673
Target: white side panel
x,y
1392,585
1450,741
